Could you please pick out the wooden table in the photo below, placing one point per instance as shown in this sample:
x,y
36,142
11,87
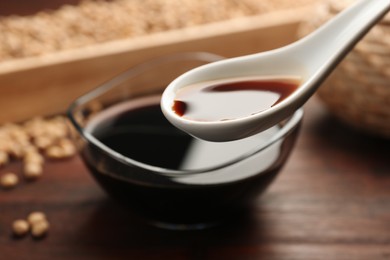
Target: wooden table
x,y
331,201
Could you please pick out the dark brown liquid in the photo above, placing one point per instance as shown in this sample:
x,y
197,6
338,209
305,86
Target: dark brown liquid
x,y
231,99
142,133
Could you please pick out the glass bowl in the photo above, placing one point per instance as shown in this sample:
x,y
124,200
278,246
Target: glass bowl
x,y
167,177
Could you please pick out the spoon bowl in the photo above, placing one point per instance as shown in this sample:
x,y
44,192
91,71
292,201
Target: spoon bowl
x,y
311,59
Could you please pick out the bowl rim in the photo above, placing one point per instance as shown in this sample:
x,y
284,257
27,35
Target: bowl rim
x,y
288,126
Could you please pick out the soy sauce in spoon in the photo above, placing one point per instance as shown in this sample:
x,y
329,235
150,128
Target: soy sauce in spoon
x,y
229,99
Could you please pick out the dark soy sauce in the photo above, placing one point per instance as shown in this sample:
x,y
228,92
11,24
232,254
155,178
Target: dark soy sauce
x,y
231,98
139,130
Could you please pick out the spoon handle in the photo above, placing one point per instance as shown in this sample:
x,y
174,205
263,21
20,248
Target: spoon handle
x,y
340,34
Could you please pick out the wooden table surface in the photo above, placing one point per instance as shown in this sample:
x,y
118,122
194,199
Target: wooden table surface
x,y
331,201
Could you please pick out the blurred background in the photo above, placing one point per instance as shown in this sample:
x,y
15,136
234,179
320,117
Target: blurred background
x,y
53,51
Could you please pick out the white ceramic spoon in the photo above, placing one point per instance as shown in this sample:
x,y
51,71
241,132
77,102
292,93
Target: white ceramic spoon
x,y
312,58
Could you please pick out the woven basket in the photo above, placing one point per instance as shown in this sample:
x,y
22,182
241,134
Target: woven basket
x,y
358,91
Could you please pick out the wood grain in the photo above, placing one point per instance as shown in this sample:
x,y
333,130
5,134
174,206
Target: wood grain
x,y
331,201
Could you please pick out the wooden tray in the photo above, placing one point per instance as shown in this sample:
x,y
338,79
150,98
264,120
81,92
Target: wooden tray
x,y
47,84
